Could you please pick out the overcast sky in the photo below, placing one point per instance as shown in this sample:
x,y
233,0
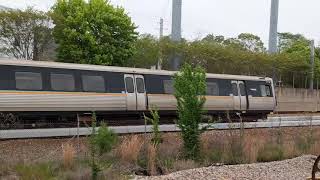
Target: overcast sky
x,y
220,17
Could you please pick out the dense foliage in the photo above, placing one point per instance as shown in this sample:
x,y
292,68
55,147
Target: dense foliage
x,y
93,32
190,90
24,34
242,55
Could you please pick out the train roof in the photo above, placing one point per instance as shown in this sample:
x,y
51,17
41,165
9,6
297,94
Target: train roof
x,y
49,64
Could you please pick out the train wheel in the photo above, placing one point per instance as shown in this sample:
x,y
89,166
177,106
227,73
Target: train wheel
x,y
7,120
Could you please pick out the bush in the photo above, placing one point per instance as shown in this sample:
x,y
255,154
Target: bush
x,y
270,152
190,90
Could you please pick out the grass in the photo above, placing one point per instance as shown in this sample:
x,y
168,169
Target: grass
x,y
129,149
152,159
270,152
68,155
36,171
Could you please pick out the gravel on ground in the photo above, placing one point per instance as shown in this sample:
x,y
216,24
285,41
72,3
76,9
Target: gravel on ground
x,y
296,168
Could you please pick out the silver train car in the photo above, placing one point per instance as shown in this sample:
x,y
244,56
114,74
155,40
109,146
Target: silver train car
x,y
47,90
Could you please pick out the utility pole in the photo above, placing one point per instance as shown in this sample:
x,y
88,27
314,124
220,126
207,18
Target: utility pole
x,y
312,64
160,38
273,32
161,28
176,30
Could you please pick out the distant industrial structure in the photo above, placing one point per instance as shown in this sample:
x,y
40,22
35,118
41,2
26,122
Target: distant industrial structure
x,y
273,33
176,31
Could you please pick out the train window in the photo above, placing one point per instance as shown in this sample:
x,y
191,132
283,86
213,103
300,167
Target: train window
x,y
62,82
168,86
242,89
235,89
129,85
93,83
140,85
265,90
28,81
268,91
212,89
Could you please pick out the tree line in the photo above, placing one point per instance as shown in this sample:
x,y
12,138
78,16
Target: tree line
x,y
96,32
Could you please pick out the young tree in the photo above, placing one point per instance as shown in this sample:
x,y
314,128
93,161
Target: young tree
x,y
93,32
24,34
190,90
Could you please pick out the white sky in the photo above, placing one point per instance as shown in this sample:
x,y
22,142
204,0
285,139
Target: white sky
x,y
220,17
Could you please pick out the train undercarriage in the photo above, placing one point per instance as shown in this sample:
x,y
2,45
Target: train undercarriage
x,y
40,120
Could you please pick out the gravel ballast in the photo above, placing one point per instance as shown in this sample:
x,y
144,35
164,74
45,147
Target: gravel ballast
x,y
296,168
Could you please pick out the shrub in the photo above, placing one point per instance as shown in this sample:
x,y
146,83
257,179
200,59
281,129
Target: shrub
x,y
68,153
190,90
270,152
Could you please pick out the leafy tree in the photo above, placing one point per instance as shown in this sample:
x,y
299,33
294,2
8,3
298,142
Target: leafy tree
x,y
233,43
93,32
231,57
251,42
286,40
190,89
212,38
24,34
147,53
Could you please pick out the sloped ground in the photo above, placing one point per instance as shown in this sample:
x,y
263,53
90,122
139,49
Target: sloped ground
x,y
296,168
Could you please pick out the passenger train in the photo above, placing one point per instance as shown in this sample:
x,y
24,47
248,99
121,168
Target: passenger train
x,y
52,91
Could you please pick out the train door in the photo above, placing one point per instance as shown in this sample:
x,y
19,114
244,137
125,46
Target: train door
x,y
140,92
136,93
239,95
130,91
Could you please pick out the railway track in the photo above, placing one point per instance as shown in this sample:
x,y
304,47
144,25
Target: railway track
x,y
271,122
